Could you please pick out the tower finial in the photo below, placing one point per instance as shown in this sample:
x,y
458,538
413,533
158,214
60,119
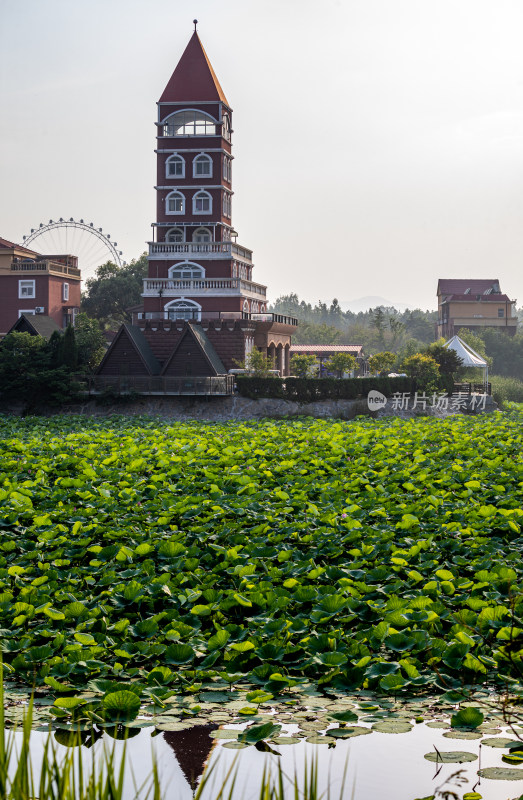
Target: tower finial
x,y
195,21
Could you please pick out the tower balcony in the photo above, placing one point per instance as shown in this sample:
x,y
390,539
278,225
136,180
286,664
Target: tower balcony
x,y
46,265
207,250
200,287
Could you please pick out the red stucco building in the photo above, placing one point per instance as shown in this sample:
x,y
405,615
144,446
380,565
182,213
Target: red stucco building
x,y
35,283
198,274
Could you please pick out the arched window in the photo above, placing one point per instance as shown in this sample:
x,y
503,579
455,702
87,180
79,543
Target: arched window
x,y
183,309
202,235
174,235
226,205
189,123
186,271
175,203
226,127
245,306
202,166
175,167
202,203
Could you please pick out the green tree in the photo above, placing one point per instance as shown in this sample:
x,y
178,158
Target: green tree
x,y
340,363
27,372
382,362
448,360
68,349
90,342
114,290
425,369
303,365
312,333
257,363
379,322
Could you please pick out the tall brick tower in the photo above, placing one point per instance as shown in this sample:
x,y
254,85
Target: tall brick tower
x,y
202,313
196,268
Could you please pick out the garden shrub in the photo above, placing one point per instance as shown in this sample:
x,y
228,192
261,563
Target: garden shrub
x,y
309,390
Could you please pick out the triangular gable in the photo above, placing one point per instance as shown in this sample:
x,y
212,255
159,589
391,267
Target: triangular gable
x,y
202,362
469,356
194,78
36,325
129,351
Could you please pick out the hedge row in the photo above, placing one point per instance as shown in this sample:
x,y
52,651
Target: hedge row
x,y
306,390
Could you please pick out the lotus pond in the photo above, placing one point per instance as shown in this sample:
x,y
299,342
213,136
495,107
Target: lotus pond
x,y
184,575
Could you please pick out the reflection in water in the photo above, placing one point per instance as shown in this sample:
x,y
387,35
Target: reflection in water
x,y
192,748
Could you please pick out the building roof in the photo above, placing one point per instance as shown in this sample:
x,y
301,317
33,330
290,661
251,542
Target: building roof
x,y
467,286
474,298
205,346
35,324
194,78
326,348
5,244
143,348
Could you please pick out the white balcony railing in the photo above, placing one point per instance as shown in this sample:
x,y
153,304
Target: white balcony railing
x,y
213,250
197,287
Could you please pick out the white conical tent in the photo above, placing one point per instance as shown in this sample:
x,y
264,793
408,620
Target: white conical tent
x,y
469,356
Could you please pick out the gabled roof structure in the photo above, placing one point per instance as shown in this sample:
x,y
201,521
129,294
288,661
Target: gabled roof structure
x,y
139,343
468,286
205,347
193,78
36,325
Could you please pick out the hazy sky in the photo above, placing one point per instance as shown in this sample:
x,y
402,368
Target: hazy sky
x,y
378,143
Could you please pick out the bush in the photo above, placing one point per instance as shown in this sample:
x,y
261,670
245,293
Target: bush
x,y
506,390
308,390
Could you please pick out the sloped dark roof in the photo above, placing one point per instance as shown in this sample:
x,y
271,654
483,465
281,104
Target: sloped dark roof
x,y
194,78
467,285
141,346
474,298
144,349
205,346
36,325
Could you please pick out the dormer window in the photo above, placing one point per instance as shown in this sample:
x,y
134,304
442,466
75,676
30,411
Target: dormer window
x,y
202,203
175,203
175,167
202,166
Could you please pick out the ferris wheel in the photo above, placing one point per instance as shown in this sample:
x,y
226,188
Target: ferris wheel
x,y
78,238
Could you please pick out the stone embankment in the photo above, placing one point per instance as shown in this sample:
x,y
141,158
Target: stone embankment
x,y
222,409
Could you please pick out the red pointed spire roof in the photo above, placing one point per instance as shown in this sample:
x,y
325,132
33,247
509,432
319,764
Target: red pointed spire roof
x,y
193,78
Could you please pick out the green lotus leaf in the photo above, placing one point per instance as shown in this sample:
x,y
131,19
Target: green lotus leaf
x,y
121,704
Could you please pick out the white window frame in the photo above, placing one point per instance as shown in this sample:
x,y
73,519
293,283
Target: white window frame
x,y
26,311
24,283
226,205
202,158
193,122
201,193
188,305
198,232
196,270
177,159
65,292
226,127
179,231
174,193
227,169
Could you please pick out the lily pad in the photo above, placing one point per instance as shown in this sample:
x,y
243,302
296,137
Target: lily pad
x,y
235,745
499,741
392,726
347,733
501,774
224,733
320,740
462,735
450,757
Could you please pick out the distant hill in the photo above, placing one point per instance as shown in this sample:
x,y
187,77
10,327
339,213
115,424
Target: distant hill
x,y
364,303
